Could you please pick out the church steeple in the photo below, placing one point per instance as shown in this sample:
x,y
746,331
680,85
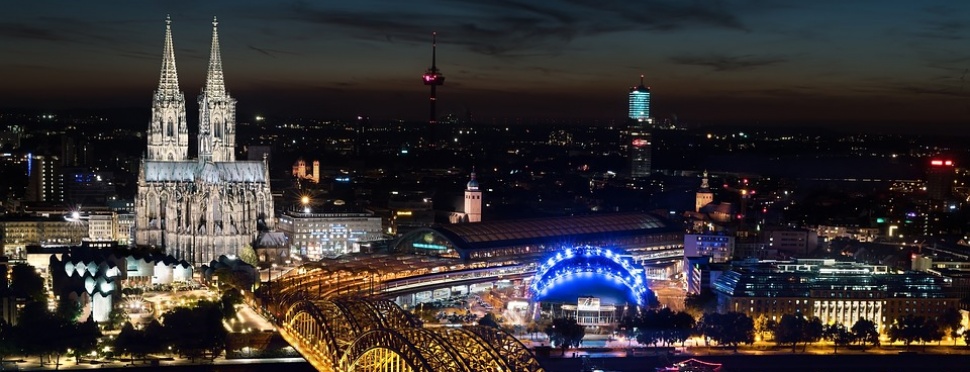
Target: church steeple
x,y
704,196
168,83
473,200
217,110
168,134
215,84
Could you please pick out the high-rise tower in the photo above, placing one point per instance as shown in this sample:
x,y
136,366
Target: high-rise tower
x,y
473,200
168,133
939,179
640,102
217,111
639,131
433,78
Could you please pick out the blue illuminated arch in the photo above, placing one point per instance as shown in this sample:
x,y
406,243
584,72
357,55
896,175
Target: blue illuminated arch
x,y
603,262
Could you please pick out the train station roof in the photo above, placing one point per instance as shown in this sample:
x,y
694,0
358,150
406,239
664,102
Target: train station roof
x,y
490,233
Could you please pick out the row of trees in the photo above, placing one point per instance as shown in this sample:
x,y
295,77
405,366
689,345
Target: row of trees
x,y
47,334
565,333
664,327
191,332
791,330
195,332
912,328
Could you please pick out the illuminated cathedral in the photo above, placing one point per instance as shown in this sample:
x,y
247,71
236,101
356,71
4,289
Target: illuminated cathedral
x,y
198,209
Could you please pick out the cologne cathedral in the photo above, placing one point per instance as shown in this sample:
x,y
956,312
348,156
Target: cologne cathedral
x,y
198,209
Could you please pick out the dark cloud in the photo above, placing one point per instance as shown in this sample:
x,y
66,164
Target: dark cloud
x,y
514,28
728,63
951,29
65,30
272,52
22,31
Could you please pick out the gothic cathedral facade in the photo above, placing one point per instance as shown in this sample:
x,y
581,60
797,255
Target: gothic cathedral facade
x,y
198,209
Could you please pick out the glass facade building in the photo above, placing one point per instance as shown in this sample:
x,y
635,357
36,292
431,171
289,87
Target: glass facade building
x,y
640,102
639,131
835,292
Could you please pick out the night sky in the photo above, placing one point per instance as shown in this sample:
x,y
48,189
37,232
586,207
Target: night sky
x,y
897,64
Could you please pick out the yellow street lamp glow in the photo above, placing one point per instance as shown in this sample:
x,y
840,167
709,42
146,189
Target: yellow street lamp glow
x,y
305,200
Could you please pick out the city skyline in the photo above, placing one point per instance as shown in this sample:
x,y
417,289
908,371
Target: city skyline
x,y
878,64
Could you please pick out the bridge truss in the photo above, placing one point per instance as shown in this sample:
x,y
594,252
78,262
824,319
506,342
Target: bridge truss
x,y
372,334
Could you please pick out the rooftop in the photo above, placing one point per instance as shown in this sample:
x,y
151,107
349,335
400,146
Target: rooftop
x,y
492,233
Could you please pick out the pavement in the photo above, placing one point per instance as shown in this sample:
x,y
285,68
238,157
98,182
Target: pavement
x,y
248,320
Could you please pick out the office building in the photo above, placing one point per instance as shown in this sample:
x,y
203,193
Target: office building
x,y
834,292
45,182
319,235
639,137
939,179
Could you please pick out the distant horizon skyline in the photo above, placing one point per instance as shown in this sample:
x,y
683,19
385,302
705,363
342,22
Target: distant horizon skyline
x,y
896,66
126,113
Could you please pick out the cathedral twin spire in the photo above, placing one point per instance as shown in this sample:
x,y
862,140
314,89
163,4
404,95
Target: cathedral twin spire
x,y
168,83
215,84
168,135
168,132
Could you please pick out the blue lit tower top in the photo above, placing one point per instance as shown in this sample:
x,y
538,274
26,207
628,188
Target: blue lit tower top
x,y
640,102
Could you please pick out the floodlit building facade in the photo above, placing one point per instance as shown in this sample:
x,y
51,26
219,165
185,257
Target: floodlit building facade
x,y
198,209
17,232
831,291
318,235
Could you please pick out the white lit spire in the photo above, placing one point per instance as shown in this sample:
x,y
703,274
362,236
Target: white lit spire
x,y
167,131
168,83
217,111
215,84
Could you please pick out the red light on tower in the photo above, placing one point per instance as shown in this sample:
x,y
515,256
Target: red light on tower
x,y
433,78
640,142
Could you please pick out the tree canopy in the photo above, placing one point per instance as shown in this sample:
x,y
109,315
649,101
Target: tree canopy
x,y
565,333
732,328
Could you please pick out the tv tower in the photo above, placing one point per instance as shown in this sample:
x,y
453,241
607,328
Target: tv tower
x,y
433,78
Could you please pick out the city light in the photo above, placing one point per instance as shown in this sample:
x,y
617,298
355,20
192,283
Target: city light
x,y
586,261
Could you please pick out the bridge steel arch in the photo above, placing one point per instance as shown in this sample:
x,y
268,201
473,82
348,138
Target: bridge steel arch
x,y
344,327
315,329
479,355
515,355
375,334
392,314
416,347
363,315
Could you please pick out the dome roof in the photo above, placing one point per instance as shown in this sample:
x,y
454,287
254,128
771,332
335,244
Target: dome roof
x,y
472,183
